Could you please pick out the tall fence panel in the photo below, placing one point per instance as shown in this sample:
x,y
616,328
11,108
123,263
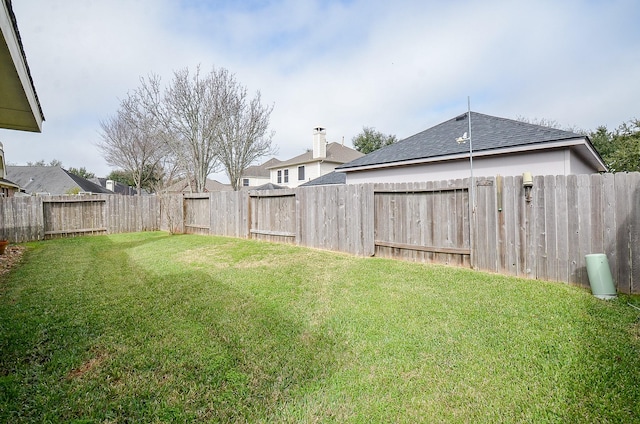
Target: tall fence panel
x,y
197,213
21,219
229,214
273,216
337,217
132,213
64,216
171,213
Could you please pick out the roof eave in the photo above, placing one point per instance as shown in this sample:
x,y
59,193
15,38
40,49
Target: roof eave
x,y
315,160
22,110
572,142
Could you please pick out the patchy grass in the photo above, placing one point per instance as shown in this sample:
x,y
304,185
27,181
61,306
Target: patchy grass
x,y
150,327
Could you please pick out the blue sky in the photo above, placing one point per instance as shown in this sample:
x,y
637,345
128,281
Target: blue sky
x,y
400,66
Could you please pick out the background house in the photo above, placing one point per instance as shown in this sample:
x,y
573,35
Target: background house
x,y
51,180
185,186
500,146
258,175
7,188
321,160
115,186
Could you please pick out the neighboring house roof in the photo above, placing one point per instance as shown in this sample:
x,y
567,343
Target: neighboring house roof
x,y
50,179
19,104
327,179
336,153
119,187
489,135
267,186
6,183
183,186
260,171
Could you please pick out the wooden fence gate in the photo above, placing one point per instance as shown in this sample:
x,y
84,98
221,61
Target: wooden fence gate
x,y
273,216
77,216
423,221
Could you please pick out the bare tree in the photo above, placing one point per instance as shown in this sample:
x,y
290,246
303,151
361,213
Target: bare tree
x,y
131,142
550,123
207,121
185,111
243,134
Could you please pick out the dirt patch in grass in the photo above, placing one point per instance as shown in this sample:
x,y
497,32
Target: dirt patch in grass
x,y
12,256
87,366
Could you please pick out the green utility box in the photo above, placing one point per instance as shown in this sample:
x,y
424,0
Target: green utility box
x,y
600,277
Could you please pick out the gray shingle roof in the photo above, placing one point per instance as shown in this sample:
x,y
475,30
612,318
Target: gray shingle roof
x,y
267,186
487,133
336,153
260,171
50,179
327,179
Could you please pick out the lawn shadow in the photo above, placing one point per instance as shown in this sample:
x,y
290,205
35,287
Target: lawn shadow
x,y
176,330
147,345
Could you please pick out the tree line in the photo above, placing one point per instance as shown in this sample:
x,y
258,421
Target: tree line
x,y
619,148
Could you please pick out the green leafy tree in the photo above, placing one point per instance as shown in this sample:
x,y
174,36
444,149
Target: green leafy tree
x,y
82,172
151,177
122,177
620,149
370,140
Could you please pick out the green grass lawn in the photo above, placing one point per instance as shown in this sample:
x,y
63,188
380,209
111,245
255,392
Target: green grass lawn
x,y
150,327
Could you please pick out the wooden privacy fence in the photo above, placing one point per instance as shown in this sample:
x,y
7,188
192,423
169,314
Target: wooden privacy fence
x,y
543,232
546,234
37,218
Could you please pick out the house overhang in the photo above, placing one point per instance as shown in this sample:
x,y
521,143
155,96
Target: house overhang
x,y
9,184
283,165
19,105
580,146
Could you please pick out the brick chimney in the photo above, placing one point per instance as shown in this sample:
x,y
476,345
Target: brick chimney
x,y
319,142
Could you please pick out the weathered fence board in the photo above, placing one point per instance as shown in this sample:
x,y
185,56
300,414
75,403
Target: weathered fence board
x,y
610,224
561,229
634,231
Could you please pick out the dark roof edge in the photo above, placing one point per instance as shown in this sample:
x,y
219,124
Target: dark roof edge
x,y
479,153
14,22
